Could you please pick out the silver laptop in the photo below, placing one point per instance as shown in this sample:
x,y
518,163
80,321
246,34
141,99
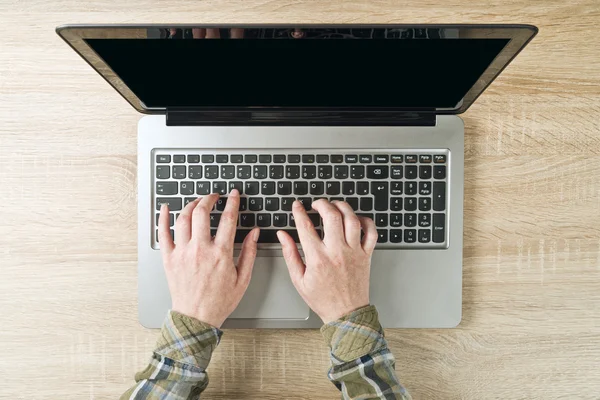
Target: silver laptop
x,y
366,114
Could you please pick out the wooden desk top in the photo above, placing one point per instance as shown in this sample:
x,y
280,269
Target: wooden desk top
x,y
531,326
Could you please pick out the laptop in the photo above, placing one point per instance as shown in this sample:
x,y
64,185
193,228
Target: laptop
x,y
361,113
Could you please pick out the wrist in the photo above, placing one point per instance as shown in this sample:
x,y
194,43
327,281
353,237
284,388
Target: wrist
x,y
205,318
341,312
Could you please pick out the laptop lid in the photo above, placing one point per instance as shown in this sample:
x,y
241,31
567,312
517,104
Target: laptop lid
x,y
346,69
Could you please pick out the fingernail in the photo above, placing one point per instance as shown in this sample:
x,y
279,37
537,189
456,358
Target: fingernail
x,y
163,206
234,192
255,235
297,204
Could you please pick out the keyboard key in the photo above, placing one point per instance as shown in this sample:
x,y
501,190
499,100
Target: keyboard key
x,y
221,202
308,158
179,159
247,220
208,159
292,172
377,172
439,228
195,171
410,220
260,172
397,172
341,172
279,158
202,188
353,202
424,188
315,219
255,203
382,235
331,199
236,185
410,203
439,159
309,172
351,158
270,235
263,220
163,172
396,188
410,159
163,158
380,191
193,158
439,172
171,219
424,220
251,188
244,172
293,158
424,204
410,188
264,159
276,172
439,196
362,188
396,235
424,235
188,200
348,188
237,158
174,203
397,158
243,204
166,188
337,158
286,203
284,188
322,158
300,188
219,187
381,220
425,158
382,158
396,204
357,171
333,188
227,172
250,158
267,188
317,188
186,188
211,172
410,235
325,172
411,172
396,220
280,220
306,202
366,203
425,172
272,204
365,158
222,158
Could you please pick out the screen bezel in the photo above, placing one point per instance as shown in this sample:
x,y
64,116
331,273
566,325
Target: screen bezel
x,y
519,36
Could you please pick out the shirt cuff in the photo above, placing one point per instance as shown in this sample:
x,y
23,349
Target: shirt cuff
x,y
354,335
187,340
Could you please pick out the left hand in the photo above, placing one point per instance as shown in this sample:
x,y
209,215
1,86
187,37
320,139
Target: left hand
x,y
203,279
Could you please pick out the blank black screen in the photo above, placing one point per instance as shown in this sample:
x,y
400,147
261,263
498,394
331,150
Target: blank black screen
x,y
427,73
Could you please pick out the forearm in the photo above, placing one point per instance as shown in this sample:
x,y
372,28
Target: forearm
x,y
362,365
177,369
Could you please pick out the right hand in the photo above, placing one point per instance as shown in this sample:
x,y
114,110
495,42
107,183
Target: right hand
x,y
335,279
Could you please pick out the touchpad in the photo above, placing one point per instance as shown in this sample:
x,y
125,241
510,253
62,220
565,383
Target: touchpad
x,y
271,293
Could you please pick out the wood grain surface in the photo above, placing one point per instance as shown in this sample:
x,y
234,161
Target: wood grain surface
x,y
531,325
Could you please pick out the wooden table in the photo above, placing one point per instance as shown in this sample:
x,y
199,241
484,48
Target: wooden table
x,y
531,325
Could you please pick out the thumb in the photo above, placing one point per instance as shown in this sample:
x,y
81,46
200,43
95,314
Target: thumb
x,y
247,257
292,257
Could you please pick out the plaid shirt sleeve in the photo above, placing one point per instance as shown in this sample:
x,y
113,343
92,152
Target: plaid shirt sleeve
x,y
177,369
362,365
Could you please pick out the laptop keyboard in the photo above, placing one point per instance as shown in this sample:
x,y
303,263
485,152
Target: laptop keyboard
x,y
404,191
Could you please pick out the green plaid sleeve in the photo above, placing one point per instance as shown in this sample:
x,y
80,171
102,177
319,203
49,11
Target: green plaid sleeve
x,y
177,369
362,365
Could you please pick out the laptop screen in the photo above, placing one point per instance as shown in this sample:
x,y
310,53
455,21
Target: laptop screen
x,y
370,68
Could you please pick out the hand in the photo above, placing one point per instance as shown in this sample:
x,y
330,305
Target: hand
x,y
203,279
335,279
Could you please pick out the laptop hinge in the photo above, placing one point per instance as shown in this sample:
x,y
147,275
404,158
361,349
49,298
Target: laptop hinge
x,y
237,117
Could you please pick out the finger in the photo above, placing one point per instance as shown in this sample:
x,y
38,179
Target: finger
x,y
183,225
201,218
292,258
351,223
247,257
229,220
306,230
370,239
212,33
164,231
332,222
